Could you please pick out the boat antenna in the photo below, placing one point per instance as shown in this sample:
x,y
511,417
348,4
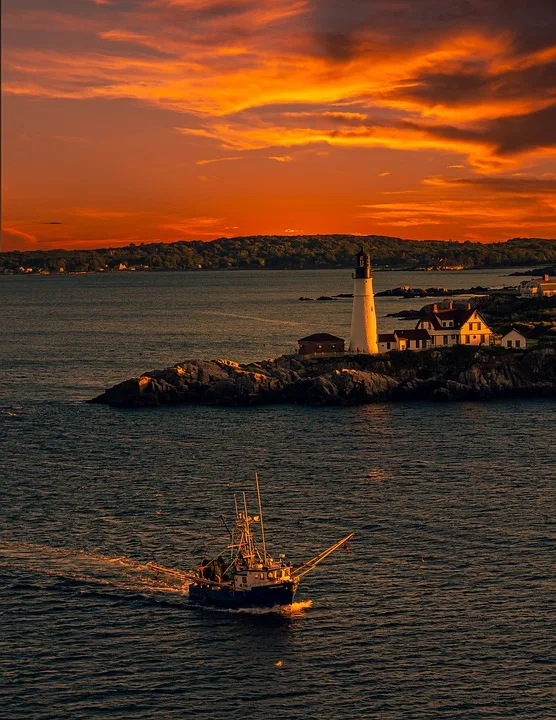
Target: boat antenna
x,y
223,521
261,514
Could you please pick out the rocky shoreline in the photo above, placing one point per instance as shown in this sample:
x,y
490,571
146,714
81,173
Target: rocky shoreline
x,y
445,374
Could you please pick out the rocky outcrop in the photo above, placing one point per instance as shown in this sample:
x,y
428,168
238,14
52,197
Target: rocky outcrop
x,y
457,373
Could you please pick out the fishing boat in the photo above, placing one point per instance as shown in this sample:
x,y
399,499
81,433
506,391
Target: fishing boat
x,y
244,574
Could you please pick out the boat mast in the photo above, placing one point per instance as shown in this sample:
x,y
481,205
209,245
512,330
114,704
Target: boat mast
x,y
247,531
261,516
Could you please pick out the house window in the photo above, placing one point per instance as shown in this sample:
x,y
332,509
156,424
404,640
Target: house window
x,y
479,326
518,343
445,339
482,338
388,346
454,337
508,343
467,339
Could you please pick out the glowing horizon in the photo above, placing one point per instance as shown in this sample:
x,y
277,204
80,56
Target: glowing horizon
x,y
161,120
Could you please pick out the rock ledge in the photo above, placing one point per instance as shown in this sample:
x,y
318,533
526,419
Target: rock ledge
x,y
456,373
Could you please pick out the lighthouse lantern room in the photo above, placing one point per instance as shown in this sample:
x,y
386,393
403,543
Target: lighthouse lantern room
x,y
363,335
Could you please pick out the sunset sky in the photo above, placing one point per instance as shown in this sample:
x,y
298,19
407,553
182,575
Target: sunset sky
x,y
140,120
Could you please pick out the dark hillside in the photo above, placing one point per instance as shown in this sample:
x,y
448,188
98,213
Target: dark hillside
x,y
284,251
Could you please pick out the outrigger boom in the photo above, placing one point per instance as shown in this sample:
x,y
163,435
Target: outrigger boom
x,y
311,564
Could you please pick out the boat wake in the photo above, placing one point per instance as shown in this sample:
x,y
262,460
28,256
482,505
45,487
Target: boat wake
x,y
293,610
121,573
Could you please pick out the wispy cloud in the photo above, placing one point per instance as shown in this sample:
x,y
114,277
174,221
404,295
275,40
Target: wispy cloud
x,y
14,239
217,160
101,214
201,226
487,203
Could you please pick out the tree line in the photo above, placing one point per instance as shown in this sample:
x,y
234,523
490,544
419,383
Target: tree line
x,y
283,252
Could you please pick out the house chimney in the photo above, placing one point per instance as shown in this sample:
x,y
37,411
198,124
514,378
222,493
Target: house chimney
x,y
450,305
435,308
545,277
468,306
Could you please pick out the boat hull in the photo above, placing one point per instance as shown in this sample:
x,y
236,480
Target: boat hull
x,y
264,597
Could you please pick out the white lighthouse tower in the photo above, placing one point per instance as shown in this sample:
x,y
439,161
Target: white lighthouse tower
x,y
363,336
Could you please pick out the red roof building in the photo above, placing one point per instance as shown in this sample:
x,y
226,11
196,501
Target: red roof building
x,y
321,344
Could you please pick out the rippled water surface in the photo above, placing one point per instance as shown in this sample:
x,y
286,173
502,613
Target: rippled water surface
x,y
441,609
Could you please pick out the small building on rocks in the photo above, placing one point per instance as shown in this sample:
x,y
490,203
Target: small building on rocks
x,y
321,344
404,340
514,339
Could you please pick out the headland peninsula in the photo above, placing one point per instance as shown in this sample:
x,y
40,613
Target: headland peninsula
x,y
455,373
458,372
280,252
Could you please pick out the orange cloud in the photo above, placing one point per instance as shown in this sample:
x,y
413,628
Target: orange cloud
x,y
498,204
468,84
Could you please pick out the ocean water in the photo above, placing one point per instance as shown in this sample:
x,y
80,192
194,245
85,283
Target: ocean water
x,y
441,609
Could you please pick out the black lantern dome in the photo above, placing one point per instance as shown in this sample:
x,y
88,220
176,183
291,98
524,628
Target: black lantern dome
x,y
362,264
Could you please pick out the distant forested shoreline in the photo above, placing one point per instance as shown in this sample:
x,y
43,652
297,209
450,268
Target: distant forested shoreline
x,y
283,252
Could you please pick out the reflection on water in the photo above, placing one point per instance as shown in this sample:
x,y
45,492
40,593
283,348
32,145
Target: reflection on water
x,y
439,609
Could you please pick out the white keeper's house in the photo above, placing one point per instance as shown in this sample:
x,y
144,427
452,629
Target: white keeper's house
x,y
440,327
455,325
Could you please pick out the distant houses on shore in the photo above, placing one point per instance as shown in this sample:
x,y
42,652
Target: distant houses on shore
x,y
538,288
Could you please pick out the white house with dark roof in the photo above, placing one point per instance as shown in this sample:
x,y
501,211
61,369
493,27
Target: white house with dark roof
x,y
514,339
456,326
440,327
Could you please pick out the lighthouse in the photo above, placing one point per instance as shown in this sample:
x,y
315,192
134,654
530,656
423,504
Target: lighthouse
x,y
363,336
